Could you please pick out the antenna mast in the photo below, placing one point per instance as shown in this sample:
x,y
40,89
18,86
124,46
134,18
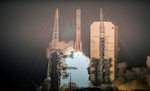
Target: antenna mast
x,y
102,45
55,36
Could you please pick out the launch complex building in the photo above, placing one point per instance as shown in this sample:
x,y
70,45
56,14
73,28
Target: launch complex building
x,y
103,52
108,47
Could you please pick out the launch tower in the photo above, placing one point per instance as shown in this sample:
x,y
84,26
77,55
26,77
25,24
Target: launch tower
x,y
55,54
51,81
103,50
104,71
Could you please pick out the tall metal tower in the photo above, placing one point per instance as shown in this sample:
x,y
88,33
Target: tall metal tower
x,y
102,36
104,64
55,54
102,44
55,36
103,51
52,71
53,44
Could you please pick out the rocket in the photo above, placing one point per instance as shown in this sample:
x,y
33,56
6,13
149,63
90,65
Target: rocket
x,y
78,43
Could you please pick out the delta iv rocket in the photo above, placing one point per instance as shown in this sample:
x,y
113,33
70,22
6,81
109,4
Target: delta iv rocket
x,y
78,43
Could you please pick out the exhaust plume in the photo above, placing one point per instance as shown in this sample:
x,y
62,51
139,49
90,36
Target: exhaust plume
x,y
148,62
63,45
138,78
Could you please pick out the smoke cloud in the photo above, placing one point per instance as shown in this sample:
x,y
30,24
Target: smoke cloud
x,y
64,45
148,62
138,78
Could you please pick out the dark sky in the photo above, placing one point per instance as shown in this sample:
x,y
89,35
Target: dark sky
x,y
26,29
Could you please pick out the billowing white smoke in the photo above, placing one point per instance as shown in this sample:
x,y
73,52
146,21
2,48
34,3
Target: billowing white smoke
x,y
148,79
136,78
148,65
148,62
79,75
79,61
65,45
76,65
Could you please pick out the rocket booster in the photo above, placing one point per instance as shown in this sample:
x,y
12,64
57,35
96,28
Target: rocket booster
x,y
78,43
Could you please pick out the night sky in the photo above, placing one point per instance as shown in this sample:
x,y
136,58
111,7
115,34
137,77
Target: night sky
x,y
26,29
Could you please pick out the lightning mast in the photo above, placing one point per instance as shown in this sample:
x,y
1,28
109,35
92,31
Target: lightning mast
x,y
55,36
53,44
52,60
102,36
55,54
104,63
102,45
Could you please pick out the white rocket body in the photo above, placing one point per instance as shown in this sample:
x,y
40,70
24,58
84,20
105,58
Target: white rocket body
x,y
78,43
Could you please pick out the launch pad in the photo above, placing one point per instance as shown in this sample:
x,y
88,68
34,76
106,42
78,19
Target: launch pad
x,y
98,70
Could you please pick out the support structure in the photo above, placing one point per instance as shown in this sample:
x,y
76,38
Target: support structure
x,y
54,56
102,44
104,64
55,36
